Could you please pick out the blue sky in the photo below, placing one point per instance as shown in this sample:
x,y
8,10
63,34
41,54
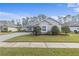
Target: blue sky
x,y
17,10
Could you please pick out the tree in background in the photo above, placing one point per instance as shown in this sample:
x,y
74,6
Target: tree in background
x,y
19,26
41,17
13,22
25,21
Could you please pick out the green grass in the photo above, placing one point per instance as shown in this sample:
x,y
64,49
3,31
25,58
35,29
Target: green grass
x,y
29,38
3,33
39,51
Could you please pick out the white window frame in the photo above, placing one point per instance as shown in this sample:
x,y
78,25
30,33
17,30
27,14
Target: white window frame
x,y
43,28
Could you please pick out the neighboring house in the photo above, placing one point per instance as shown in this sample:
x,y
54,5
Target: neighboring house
x,y
7,25
73,28
73,25
45,24
71,21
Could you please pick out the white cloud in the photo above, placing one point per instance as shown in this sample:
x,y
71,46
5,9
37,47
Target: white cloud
x,y
54,17
74,6
9,16
5,13
76,9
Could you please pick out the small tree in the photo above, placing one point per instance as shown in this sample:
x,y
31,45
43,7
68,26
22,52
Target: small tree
x,y
36,30
65,29
55,30
5,30
19,29
75,31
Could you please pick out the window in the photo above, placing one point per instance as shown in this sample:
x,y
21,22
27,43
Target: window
x,y
43,28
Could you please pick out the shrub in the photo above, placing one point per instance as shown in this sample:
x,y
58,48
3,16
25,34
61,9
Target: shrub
x,y
36,30
55,30
24,30
18,29
75,31
5,30
65,29
10,31
48,33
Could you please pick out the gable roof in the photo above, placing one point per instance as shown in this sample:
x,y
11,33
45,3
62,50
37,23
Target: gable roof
x,y
49,20
71,24
43,21
53,20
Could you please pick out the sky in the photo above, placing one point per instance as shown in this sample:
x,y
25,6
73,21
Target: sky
x,y
10,11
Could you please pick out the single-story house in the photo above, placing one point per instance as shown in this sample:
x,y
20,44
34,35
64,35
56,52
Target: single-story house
x,y
73,25
73,28
7,25
45,25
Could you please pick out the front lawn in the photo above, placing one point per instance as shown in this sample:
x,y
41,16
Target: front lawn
x,y
29,38
39,51
3,33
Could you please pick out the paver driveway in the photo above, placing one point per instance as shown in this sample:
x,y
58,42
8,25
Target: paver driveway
x,y
8,36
